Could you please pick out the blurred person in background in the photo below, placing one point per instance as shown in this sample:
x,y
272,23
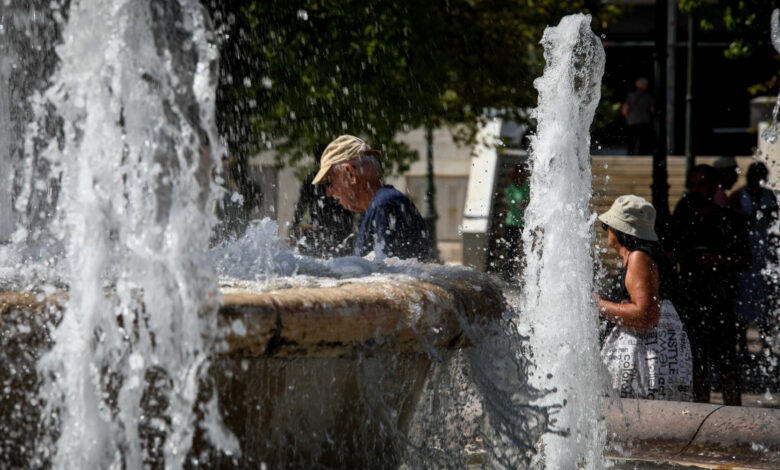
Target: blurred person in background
x,y
758,206
710,244
727,170
321,227
517,194
638,110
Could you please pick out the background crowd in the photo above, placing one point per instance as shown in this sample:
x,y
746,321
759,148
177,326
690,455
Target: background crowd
x,y
722,246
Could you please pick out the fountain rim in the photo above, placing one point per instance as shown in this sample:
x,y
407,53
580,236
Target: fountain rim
x,y
414,316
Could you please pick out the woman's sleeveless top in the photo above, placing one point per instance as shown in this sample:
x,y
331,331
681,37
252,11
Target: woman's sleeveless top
x,y
666,273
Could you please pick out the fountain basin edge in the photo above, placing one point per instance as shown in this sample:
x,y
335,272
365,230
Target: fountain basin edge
x,y
702,434
410,316
305,376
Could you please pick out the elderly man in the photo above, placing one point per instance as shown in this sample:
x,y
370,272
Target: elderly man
x,y
391,225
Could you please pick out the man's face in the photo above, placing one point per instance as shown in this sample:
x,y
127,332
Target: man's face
x,y
341,185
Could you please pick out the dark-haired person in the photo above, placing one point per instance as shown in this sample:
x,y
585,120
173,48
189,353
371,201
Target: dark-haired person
x,y
321,227
647,353
710,244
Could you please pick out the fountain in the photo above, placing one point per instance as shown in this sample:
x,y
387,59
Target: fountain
x,y
557,301
126,343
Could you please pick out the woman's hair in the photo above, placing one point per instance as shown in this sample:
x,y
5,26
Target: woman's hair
x,y
629,241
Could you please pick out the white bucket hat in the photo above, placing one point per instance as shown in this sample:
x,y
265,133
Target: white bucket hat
x,y
632,215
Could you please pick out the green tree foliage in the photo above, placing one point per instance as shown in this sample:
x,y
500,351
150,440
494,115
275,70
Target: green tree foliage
x,y
297,73
748,25
746,20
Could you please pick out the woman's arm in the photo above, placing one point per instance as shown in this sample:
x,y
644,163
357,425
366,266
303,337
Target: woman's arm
x,y
643,309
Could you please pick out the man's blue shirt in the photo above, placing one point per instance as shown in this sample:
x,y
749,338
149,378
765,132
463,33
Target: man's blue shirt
x,y
393,222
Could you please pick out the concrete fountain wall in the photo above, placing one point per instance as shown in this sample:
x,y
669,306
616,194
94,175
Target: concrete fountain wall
x,y
700,434
306,376
332,375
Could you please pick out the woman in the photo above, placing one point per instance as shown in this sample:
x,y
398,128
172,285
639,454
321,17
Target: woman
x,y
647,353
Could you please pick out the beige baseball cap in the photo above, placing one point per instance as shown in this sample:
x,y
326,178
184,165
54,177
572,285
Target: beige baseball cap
x,y
632,215
341,150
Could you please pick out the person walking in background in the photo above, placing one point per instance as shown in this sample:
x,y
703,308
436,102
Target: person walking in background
x,y
726,168
759,208
647,353
710,244
638,110
517,194
321,227
391,224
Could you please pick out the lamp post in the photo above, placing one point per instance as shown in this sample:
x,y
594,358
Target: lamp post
x,y
690,158
660,185
429,209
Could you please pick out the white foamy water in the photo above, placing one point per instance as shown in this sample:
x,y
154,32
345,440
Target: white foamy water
x,y
558,309
7,221
262,257
772,130
132,102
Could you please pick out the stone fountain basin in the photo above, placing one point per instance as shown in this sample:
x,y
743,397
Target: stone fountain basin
x,y
322,376
330,376
409,315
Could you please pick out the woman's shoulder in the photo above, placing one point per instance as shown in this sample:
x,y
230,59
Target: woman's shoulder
x,y
640,258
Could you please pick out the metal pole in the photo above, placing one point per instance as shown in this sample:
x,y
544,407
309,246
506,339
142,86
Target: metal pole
x,y
690,158
429,209
671,64
660,185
